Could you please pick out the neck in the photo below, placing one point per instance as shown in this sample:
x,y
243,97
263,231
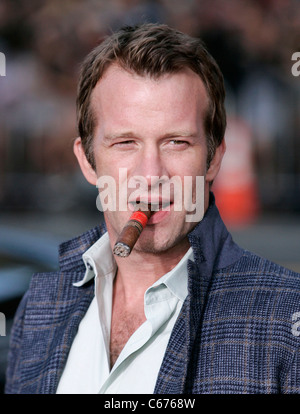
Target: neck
x,y
137,272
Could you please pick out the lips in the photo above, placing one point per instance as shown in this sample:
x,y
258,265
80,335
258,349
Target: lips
x,y
158,216
156,204
160,208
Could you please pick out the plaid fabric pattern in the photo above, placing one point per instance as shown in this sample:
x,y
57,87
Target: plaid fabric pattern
x,y
47,321
243,342
235,333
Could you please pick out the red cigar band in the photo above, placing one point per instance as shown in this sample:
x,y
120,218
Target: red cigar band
x,y
140,216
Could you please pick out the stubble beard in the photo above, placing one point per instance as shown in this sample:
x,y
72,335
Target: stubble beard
x,y
157,246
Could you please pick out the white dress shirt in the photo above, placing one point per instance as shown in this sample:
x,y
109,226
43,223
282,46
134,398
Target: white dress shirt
x,y
87,370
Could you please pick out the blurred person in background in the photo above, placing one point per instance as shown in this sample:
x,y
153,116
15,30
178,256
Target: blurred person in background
x,y
188,311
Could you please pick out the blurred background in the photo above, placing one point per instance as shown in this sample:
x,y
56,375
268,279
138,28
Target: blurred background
x,y
44,200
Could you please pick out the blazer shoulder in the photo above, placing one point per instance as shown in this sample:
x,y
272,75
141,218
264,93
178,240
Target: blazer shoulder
x,y
262,281
265,271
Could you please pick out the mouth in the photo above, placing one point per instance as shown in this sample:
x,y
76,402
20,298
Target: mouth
x,y
154,205
160,209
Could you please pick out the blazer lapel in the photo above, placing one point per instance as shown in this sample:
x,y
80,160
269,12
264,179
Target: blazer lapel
x,y
54,310
51,322
174,369
213,249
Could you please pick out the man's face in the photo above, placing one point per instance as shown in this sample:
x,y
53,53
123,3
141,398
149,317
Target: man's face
x,y
151,128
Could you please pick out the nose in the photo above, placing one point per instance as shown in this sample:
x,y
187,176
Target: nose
x,y
151,165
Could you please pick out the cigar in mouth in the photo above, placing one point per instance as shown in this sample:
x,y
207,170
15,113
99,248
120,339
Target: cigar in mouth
x,y
132,230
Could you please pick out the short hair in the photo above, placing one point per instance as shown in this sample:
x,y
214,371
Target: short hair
x,y
152,50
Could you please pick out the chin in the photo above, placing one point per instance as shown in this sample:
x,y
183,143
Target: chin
x,y
160,244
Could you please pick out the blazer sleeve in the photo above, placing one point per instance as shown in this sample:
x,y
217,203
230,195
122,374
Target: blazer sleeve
x,y
14,359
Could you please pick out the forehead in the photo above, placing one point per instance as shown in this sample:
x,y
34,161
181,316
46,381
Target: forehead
x,y
123,91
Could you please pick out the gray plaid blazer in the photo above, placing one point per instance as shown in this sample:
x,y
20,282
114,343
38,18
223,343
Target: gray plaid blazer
x,y
237,331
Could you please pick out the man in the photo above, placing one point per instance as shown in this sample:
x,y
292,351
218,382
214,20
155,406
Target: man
x,y
188,311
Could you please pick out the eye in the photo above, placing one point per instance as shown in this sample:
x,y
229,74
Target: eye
x,y
124,144
179,143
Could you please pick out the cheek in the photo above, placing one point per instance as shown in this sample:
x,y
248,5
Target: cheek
x,y
190,168
109,161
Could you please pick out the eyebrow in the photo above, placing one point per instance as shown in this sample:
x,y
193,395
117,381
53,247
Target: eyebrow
x,y
112,137
172,134
178,134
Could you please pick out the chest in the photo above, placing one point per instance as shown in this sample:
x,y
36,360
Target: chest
x,y
123,325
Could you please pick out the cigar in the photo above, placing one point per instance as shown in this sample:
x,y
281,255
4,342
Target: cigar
x,y
132,231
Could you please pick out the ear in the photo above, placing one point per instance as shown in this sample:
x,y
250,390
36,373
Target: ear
x,y
86,168
216,162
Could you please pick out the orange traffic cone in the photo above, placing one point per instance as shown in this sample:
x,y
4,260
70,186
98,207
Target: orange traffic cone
x,y
235,187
